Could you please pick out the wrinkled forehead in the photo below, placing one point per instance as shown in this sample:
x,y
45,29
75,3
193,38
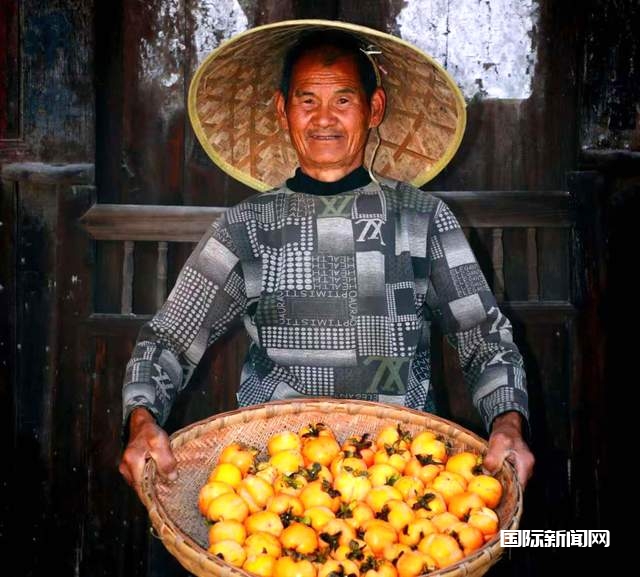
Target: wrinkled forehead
x,y
326,66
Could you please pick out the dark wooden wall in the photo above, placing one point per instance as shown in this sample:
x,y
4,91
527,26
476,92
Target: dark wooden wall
x,y
610,149
46,115
76,94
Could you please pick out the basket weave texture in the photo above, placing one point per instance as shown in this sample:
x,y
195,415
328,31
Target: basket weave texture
x,y
173,509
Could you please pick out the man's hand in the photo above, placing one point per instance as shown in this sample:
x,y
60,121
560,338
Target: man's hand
x,y
146,440
506,442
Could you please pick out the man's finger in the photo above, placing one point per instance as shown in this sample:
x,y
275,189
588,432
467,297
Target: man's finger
x,y
493,464
498,451
138,469
526,462
522,474
517,460
166,463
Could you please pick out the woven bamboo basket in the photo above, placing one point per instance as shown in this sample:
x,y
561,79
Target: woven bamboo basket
x,y
172,506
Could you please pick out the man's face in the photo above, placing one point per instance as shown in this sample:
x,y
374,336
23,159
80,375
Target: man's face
x,y
328,115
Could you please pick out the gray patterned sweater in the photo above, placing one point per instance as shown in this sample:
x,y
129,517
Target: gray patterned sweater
x,y
337,293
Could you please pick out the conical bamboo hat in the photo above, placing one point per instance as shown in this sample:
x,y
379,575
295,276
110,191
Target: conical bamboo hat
x,y
232,109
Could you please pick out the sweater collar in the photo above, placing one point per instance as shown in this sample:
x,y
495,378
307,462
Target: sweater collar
x,y
301,182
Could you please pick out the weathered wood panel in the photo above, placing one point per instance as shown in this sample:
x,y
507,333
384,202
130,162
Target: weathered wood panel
x,y
10,73
621,225
380,14
71,409
553,246
35,363
516,266
593,384
58,115
111,169
48,413
153,101
116,531
108,277
47,115
610,103
204,183
8,376
608,200
146,266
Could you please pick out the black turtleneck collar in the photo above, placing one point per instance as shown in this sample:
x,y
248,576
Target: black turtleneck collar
x,y
301,182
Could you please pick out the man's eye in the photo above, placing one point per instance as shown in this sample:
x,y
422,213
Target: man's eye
x,y
343,100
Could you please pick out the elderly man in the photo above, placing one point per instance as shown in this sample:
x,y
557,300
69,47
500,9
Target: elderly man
x,y
337,275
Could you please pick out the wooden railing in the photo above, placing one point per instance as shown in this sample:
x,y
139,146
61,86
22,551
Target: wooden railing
x,y
493,210
161,224
500,210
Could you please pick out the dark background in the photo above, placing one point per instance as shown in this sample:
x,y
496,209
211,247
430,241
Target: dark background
x,y
80,124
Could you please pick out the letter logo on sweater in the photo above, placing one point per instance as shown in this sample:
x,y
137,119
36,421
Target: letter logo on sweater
x,y
372,230
388,376
334,206
162,381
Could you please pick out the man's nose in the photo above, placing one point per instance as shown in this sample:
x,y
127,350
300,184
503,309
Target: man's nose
x,y
324,116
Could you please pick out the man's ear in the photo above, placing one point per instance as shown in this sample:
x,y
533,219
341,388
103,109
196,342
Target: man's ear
x,y
281,110
378,106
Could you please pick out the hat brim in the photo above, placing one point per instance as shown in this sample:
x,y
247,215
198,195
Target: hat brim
x,y
232,110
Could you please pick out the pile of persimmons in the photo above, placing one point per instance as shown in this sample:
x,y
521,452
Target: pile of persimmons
x,y
390,506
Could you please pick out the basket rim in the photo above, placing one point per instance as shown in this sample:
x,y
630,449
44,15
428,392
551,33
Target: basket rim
x,y
318,403
173,537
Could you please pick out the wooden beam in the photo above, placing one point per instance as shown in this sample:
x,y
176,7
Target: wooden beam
x,y
148,222
539,312
481,209
41,173
510,209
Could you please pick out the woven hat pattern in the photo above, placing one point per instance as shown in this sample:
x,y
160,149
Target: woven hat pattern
x,y
232,108
239,124
422,116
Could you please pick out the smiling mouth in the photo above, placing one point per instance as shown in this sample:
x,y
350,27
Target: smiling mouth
x,y
325,137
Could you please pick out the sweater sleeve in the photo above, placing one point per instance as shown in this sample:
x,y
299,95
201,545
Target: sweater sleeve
x,y
460,299
208,298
